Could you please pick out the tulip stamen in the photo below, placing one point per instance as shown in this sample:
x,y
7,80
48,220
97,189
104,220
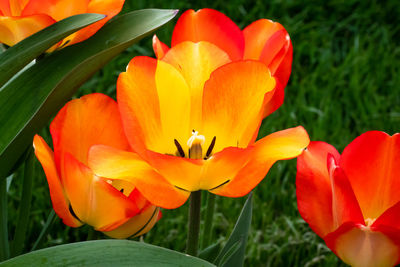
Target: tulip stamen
x,y
180,151
227,181
73,213
122,190
195,143
211,147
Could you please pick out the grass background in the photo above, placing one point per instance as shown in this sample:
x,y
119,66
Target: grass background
x,y
345,81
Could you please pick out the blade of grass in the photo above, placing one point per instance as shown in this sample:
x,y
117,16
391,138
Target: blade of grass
x,y
45,229
4,245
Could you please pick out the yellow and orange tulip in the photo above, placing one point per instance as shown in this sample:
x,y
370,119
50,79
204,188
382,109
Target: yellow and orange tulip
x,y
114,207
352,200
22,18
192,115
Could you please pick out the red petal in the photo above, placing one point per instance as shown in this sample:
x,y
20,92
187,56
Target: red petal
x,y
211,26
371,164
160,49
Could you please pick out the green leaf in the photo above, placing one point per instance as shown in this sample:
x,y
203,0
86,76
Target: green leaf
x,y
234,251
106,253
29,101
17,56
210,252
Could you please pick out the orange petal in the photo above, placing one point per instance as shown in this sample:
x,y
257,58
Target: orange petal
x,y
95,201
211,26
57,9
160,49
313,187
12,8
118,164
58,198
232,103
110,8
154,101
275,100
196,61
15,29
137,225
345,207
357,245
269,42
81,123
280,145
371,164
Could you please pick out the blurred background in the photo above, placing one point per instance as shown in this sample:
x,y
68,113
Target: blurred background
x,y
345,81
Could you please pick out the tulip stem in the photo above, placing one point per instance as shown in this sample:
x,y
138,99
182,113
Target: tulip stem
x,y
207,231
192,245
25,205
4,245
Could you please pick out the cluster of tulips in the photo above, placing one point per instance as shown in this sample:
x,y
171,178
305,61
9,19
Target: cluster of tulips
x,y
188,120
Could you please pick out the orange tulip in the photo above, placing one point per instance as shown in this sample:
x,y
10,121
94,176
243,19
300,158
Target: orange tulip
x,y
22,18
193,117
112,206
352,201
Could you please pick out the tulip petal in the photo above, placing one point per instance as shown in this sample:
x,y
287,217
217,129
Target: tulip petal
x,y
58,10
232,103
81,123
371,164
93,200
58,198
137,225
313,187
196,61
117,164
12,8
345,207
391,218
358,246
280,145
159,48
15,29
211,26
154,102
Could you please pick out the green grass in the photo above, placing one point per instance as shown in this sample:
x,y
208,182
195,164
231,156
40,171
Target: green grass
x,y
345,81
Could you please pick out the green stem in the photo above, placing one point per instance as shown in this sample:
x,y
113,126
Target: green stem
x,y
25,205
207,232
4,246
91,234
192,245
45,229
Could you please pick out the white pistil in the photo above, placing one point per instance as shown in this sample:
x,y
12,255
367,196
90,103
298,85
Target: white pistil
x,y
195,143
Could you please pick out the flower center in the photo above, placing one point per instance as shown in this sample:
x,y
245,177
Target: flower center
x,y
195,144
369,222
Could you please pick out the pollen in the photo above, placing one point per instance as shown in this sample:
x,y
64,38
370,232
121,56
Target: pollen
x,y
195,143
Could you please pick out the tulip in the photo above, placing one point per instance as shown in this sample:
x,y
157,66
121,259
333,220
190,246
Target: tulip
x,y
192,116
352,200
79,196
22,18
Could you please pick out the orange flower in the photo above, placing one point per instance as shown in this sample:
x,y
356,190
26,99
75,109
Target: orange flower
x,y
193,117
352,201
112,206
22,18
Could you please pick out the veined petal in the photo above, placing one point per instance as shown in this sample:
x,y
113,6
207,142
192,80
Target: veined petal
x,y
93,200
391,218
154,102
196,61
371,164
275,100
138,225
358,246
57,9
117,164
159,48
232,103
12,8
280,145
58,198
211,26
15,29
81,123
313,187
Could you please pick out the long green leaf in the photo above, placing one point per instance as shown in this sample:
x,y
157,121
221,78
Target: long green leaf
x,y
106,253
17,56
233,252
29,101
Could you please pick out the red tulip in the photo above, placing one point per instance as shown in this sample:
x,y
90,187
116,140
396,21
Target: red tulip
x,y
114,207
352,200
22,18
